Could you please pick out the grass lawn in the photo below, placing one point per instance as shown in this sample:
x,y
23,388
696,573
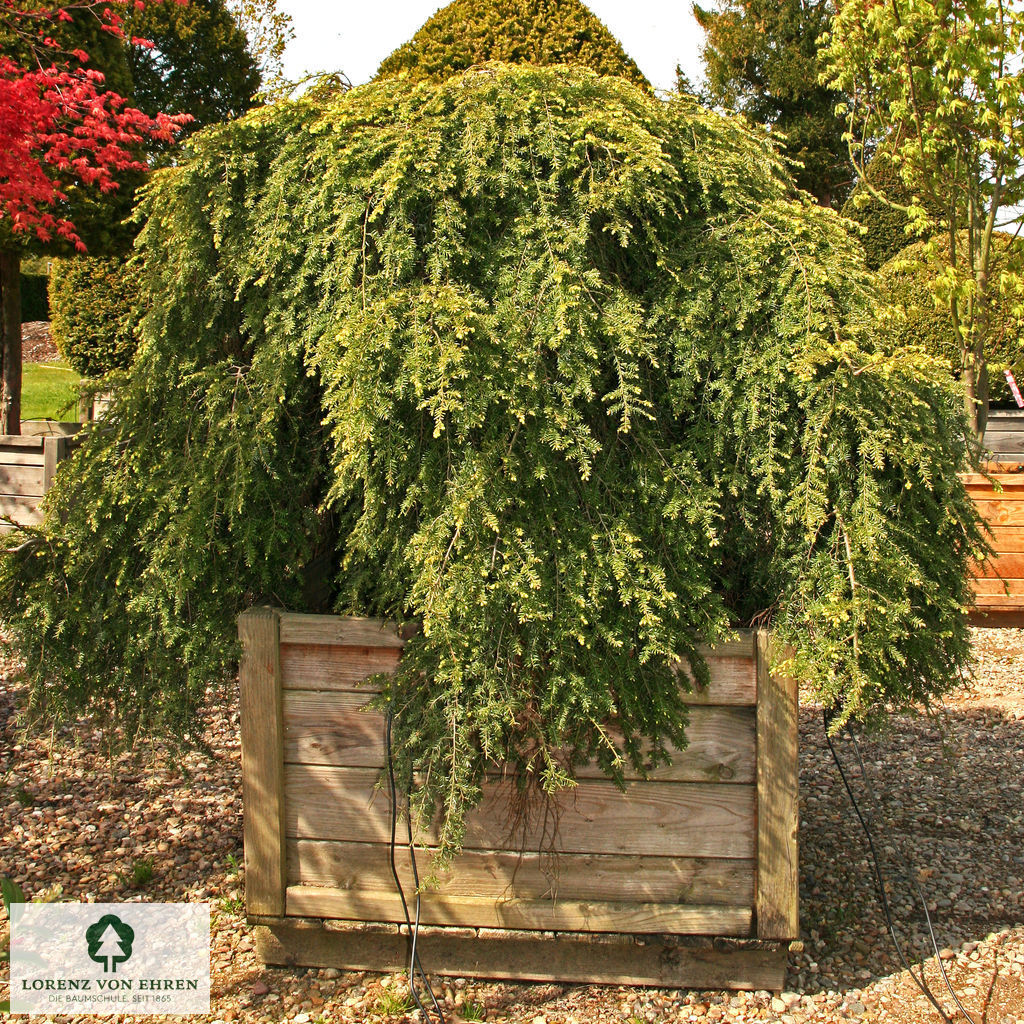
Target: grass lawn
x,y
48,391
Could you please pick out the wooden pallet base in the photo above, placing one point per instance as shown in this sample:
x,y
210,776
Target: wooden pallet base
x,y
663,962
997,618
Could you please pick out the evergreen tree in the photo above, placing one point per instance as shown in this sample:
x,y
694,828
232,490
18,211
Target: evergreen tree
x,y
469,32
559,371
200,63
761,58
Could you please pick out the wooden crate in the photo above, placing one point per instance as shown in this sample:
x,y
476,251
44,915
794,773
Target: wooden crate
x,y
998,582
28,465
1004,434
687,879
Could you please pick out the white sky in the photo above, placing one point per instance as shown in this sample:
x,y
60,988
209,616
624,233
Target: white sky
x,y
354,37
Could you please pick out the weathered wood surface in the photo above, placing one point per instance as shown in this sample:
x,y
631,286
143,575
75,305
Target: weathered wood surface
x,y
325,729
657,818
681,852
262,762
499,874
998,592
620,960
316,666
732,681
327,663
1002,565
21,479
777,905
1004,433
28,466
1005,510
23,510
333,629
20,441
533,914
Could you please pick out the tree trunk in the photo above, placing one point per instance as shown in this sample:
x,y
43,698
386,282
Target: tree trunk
x,y
976,391
10,351
982,399
970,397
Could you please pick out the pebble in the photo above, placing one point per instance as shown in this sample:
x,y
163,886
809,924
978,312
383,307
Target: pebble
x,y
951,806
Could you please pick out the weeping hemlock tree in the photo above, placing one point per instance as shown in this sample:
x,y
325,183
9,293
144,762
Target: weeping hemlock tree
x,y
557,370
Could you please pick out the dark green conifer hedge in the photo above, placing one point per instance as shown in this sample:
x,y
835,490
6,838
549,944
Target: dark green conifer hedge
x,y
553,368
94,310
468,32
34,304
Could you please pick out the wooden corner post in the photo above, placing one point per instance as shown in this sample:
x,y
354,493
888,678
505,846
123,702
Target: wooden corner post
x,y
259,677
55,451
778,883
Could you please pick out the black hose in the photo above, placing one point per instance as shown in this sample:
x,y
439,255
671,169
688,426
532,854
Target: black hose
x,y
880,879
412,927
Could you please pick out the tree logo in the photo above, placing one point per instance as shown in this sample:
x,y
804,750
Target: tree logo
x,y
110,942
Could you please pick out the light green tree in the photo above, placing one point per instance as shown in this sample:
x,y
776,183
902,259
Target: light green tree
x,y
941,84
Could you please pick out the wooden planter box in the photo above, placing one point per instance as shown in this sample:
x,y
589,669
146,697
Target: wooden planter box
x,y
999,581
688,879
28,465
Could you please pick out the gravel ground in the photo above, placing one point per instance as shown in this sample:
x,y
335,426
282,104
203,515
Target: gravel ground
x,y
36,344
950,795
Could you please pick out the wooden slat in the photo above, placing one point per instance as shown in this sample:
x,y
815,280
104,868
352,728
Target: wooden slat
x,y
997,618
1001,512
259,677
24,481
1007,539
777,901
51,456
658,818
1005,425
323,666
1000,443
611,960
322,728
20,441
500,874
55,451
999,588
347,631
1007,565
740,646
11,457
733,682
532,915
986,602
306,666
23,510
982,487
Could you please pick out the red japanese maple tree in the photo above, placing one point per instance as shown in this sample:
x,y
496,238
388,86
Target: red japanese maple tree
x,y
59,127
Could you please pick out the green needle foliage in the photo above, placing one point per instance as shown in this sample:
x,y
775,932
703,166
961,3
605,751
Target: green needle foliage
x,y
92,313
468,32
559,371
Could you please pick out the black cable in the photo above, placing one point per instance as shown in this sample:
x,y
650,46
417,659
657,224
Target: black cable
x,y
879,878
909,877
412,928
